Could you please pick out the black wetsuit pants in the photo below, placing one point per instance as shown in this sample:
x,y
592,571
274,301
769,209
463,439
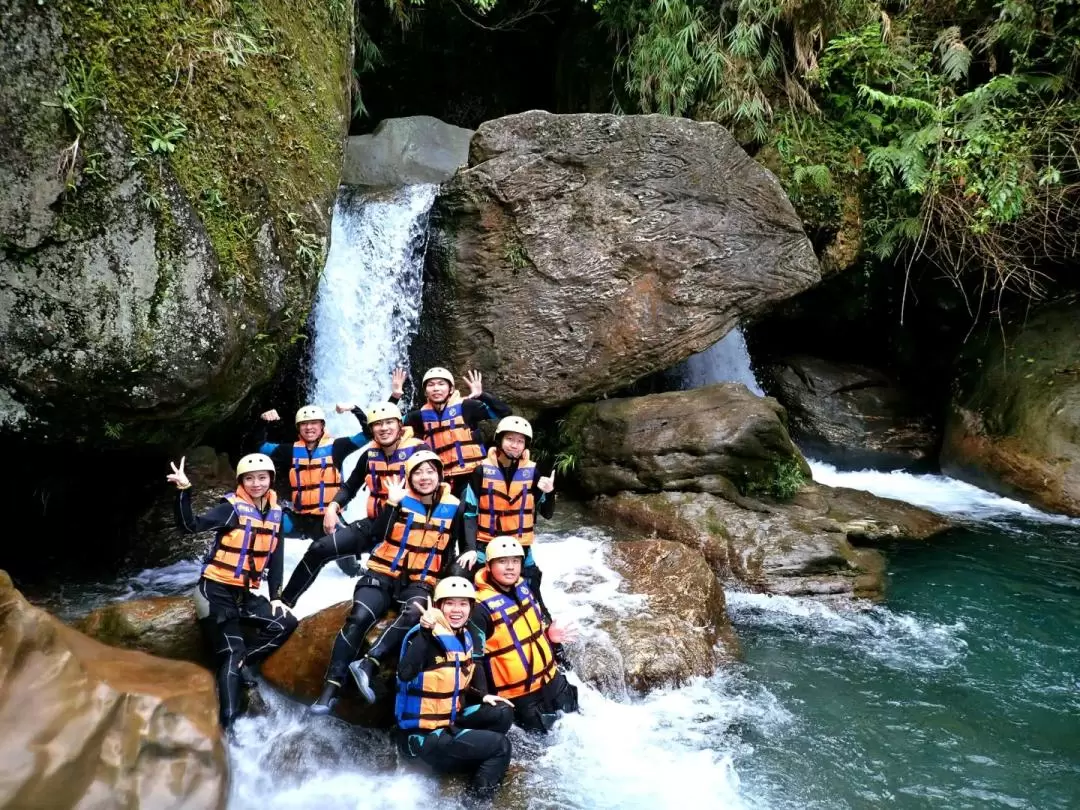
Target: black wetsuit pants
x,y
223,611
477,742
311,526
349,540
539,710
374,595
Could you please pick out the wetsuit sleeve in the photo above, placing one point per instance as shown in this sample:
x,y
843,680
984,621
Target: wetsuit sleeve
x,y
415,420
484,407
545,502
481,627
219,517
346,445
383,522
351,487
276,570
264,442
415,655
463,530
478,686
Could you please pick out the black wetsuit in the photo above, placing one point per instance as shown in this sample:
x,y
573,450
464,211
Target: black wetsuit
x,y
225,609
375,593
477,740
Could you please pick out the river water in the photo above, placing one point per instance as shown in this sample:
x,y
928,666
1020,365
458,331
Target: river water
x,y
962,689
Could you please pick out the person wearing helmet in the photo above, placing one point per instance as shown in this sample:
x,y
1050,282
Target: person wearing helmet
x,y
509,492
247,545
518,655
313,463
450,423
381,459
442,693
415,535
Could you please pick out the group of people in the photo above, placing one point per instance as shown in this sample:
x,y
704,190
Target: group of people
x,y
449,530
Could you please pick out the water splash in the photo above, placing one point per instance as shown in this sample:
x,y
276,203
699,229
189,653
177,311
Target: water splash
x,y
727,360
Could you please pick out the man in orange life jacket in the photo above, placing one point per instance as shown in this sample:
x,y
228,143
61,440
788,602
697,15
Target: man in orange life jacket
x,y
520,663
380,460
314,470
450,424
416,534
445,716
509,492
247,545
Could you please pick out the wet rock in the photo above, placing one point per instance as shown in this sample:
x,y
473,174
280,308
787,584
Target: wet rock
x,y
803,548
87,725
1014,422
620,244
851,414
719,438
403,151
165,626
675,636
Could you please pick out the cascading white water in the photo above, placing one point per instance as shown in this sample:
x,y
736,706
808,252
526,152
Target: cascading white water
x,y
368,304
727,360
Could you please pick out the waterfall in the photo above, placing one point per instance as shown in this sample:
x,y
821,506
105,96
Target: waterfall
x,y
727,360
368,304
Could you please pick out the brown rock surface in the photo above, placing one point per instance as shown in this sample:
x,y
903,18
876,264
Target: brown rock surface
x,y
85,725
165,626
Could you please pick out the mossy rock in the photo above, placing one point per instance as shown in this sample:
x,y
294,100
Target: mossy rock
x,y
167,171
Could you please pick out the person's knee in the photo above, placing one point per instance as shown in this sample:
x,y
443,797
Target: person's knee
x,y
289,623
503,718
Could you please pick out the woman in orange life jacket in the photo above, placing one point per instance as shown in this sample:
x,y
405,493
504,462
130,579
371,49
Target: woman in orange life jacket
x,y
247,546
520,663
449,423
445,716
416,534
313,463
380,460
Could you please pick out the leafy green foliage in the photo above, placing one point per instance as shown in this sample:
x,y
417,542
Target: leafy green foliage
x,y
782,480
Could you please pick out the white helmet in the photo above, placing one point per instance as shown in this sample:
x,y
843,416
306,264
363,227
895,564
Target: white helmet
x,y
310,413
254,462
438,373
454,588
418,458
383,410
514,424
503,546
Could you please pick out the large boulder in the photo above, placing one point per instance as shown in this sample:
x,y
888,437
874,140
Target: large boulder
x,y
851,414
165,626
166,175
578,253
682,629
719,438
88,726
403,151
1014,420
808,547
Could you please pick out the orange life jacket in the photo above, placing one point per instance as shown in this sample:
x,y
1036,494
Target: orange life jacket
x,y
432,699
506,507
313,477
517,654
380,468
418,539
451,437
239,555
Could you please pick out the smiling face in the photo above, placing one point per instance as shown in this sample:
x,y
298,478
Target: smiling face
x,y
506,570
424,479
512,444
456,610
256,484
437,391
311,430
386,431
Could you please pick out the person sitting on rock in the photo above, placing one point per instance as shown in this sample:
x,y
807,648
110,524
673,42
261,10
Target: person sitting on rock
x,y
451,424
416,532
380,460
247,546
518,653
314,463
509,493
445,716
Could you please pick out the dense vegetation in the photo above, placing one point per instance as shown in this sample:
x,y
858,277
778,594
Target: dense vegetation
x,y
933,132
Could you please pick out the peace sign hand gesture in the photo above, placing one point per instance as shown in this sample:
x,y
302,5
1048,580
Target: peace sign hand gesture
x,y
396,490
178,476
475,383
432,616
546,483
